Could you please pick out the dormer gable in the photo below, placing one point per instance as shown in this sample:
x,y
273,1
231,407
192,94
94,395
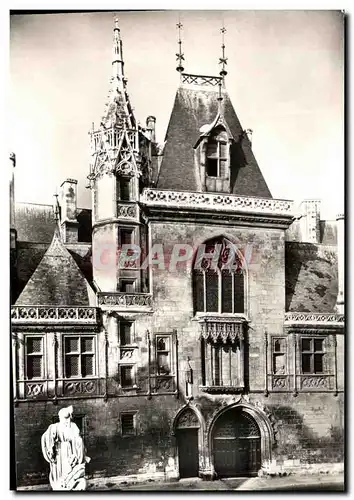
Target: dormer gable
x,y
212,155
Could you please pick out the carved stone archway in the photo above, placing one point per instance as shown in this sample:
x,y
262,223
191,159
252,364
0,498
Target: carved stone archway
x,y
262,421
190,417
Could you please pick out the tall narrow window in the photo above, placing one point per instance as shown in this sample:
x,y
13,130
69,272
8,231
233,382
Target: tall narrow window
x,y
279,356
312,355
212,291
126,333
34,357
217,153
124,189
163,355
79,356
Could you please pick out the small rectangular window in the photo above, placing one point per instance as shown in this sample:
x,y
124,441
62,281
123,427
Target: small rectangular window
x,y
126,375
312,355
124,187
79,355
34,357
126,333
126,236
128,424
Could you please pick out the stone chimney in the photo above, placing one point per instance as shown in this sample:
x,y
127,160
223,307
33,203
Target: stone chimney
x,y
68,205
310,221
341,262
151,125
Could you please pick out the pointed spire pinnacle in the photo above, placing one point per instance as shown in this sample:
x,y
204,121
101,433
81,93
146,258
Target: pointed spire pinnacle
x,y
180,55
117,53
56,208
223,59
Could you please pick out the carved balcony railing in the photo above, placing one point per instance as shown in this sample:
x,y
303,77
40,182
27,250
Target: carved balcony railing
x,y
320,319
225,202
52,314
139,301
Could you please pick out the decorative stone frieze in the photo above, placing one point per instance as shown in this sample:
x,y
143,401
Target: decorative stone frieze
x,y
126,300
50,314
183,199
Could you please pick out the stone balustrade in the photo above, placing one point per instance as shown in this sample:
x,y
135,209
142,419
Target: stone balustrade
x,y
125,300
49,314
222,202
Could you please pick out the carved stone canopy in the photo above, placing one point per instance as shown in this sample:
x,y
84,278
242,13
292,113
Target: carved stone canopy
x,y
222,330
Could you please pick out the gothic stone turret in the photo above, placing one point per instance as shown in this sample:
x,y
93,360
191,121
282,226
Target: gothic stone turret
x,y
119,169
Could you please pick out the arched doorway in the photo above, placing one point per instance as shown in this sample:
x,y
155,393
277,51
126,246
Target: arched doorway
x,y
187,429
236,442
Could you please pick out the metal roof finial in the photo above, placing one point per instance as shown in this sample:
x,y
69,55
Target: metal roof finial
x,y
180,55
223,59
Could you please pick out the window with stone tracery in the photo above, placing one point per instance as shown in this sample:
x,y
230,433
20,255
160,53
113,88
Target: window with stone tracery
x,y
218,284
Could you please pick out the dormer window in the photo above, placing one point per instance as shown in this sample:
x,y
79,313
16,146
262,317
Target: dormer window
x,y
217,153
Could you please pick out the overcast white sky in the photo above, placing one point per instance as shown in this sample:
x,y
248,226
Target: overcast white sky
x,y
285,79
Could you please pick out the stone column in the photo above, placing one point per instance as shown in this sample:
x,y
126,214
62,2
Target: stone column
x,y
341,262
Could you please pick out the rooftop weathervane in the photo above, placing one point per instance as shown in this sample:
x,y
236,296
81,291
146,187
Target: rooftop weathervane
x,y
223,59
180,55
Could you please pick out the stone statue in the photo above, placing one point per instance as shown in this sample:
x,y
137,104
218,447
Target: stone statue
x,y
63,448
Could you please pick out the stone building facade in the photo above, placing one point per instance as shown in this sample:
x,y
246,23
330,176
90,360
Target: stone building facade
x,y
177,363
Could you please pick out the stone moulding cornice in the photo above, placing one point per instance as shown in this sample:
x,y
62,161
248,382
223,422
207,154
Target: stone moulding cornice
x,y
248,209
321,320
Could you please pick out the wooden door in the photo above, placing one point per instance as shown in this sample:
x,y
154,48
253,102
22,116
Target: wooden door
x,y
236,445
187,442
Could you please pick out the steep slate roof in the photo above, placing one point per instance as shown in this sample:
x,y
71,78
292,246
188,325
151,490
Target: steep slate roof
x,y
194,107
57,280
311,280
36,223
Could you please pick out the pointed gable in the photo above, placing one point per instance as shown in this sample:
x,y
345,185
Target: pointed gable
x,y
57,280
194,107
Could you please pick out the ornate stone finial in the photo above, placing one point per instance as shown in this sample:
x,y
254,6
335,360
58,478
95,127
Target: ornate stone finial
x,y
223,59
248,133
180,55
117,53
13,158
56,208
